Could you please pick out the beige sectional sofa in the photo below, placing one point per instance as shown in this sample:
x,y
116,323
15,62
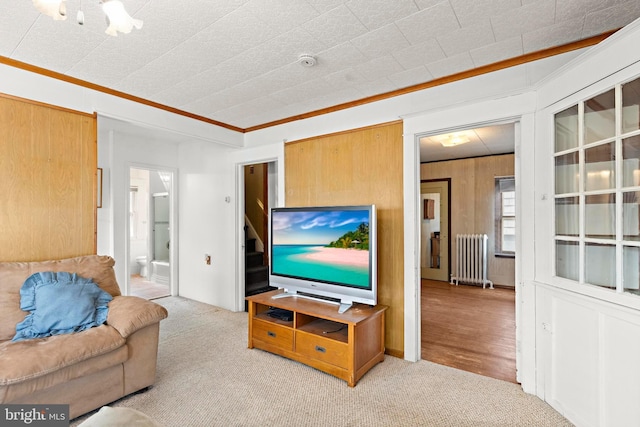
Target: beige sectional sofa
x,y
85,369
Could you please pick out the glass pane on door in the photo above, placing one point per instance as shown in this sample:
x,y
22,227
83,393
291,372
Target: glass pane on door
x,y
631,269
600,216
600,265
568,216
631,106
567,259
599,117
631,161
566,124
567,173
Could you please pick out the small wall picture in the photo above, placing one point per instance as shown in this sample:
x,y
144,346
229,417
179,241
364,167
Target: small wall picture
x,y
429,209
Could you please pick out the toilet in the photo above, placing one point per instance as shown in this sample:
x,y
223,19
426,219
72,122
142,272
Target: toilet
x,y
142,262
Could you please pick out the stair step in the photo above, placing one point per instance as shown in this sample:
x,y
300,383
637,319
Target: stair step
x,y
256,274
257,268
250,245
254,259
256,288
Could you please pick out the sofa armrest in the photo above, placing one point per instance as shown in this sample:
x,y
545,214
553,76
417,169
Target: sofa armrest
x,y
128,314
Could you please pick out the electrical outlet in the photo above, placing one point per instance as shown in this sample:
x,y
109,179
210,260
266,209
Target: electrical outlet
x,y
207,259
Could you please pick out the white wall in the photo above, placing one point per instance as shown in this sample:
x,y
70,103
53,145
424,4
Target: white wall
x,y
207,224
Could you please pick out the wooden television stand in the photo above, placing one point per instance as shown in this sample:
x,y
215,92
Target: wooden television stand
x,y
344,345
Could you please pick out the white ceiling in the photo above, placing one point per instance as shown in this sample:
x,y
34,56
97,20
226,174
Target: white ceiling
x,y
235,61
483,141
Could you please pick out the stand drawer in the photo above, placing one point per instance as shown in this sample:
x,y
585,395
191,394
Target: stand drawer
x,y
324,349
270,333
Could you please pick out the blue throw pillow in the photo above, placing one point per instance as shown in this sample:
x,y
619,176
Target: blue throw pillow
x,y
60,303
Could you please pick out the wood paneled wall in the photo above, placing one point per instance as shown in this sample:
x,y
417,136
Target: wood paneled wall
x,y
359,167
48,166
472,204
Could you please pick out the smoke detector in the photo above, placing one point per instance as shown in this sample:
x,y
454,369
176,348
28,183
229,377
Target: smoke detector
x,y
307,60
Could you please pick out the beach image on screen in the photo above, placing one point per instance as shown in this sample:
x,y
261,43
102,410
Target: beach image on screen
x,y
328,246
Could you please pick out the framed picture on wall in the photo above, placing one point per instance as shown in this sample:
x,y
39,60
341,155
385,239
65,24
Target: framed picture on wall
x,y
429,209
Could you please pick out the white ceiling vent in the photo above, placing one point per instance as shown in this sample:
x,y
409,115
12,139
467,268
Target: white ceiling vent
x,y
307,60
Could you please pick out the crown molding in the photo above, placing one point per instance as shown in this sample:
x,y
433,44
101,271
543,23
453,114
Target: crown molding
x,y
485,69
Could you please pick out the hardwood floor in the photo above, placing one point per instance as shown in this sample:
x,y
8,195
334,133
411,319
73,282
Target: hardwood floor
x,y
469,328
140,287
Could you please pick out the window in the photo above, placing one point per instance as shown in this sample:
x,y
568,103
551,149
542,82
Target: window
x,y
505,208
597,190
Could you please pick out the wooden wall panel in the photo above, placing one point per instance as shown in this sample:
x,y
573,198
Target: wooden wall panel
x,y
362,166
472,204
47,182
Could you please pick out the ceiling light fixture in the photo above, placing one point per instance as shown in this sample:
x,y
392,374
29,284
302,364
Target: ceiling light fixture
x,y
118,20
53,8
454,139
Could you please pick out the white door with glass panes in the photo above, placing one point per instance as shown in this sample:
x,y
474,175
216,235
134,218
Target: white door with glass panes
x,y
597,189
587,306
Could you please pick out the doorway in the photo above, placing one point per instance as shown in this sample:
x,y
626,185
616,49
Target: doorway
x,y
150,207
434,230
259,188
465,326
256,230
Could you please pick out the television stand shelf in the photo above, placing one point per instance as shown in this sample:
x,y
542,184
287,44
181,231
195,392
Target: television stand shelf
x,y
344,345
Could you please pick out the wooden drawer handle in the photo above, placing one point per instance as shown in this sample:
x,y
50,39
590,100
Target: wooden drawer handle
x,y
321,349
271,334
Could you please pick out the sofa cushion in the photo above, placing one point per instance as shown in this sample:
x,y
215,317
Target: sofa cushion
x,y
97,378
127,314
60,303
13,275
23,360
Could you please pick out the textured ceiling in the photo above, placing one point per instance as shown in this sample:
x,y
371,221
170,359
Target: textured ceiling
x,y
235,61
484,141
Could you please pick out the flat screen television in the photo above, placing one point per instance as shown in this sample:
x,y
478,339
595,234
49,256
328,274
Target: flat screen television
x,y
327,252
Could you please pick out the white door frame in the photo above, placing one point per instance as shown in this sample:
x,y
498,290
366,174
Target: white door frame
x,y
240,208
517,108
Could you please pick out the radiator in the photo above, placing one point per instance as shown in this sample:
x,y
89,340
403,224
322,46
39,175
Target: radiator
x,y
471,260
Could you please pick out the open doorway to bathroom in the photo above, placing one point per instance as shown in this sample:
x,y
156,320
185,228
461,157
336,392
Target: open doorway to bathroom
x,y
149,233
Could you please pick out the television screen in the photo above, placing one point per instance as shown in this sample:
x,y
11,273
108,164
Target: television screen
x,y
325,250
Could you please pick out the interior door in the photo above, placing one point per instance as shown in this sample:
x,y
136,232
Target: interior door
x,y
434,230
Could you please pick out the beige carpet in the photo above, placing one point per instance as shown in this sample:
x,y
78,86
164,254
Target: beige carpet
x,y
208,377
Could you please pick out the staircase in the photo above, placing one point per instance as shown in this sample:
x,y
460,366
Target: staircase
x,y
256,274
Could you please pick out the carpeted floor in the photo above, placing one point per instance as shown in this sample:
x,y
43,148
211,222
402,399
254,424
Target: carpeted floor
x,y
208,377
